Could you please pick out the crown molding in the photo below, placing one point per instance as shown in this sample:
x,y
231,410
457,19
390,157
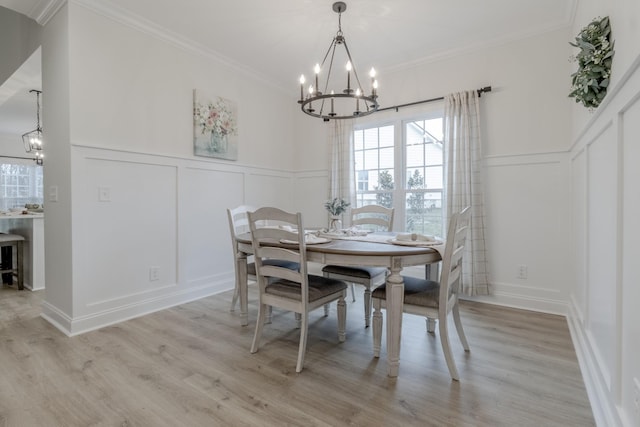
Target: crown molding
x,y
474,47
122,16
44,10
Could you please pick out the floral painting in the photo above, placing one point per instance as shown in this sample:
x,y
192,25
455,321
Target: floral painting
x,y
215,126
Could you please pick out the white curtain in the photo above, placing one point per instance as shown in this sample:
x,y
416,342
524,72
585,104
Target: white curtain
x,y
463,183
341,179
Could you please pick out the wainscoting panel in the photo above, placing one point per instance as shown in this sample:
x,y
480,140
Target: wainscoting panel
x,y
129,210
527,206
601,248
205,194
604,318
311,191
269,189
578,229
151,231
630,263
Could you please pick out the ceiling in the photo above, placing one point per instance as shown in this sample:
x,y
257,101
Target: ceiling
x,y
17,105
281,39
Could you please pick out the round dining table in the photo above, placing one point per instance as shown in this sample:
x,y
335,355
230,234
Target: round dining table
x,y
361,252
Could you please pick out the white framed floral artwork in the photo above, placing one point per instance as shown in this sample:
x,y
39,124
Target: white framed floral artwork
x,y
215,126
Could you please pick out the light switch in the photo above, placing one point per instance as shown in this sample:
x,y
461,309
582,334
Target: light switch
x,y
104,194
53,193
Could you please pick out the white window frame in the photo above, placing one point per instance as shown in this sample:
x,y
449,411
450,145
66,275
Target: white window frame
x,y
399,122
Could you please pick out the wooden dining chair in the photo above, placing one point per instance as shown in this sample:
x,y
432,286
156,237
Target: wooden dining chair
x,y
373,217
239,224
293,290
433,299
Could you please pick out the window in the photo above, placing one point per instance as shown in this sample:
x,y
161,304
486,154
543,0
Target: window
x,y
20,184
409,152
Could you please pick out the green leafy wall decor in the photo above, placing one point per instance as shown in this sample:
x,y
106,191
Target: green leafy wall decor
x,y
589,84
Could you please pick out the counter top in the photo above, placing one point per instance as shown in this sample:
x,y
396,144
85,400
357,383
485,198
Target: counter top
x,y
18,215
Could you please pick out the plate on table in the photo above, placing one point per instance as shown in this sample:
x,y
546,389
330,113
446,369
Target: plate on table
x,y
309,240
415,243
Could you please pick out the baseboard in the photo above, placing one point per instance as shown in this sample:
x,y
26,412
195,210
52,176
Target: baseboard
x,y
604,409
79,325
508,295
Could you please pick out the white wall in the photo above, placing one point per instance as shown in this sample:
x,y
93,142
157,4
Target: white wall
x,y
129,92
603,317
525,134
58,304
11,145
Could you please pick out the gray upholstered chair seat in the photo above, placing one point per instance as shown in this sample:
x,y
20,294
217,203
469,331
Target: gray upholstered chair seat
x,y
287,289
420,292
434,300
372,217
239,224
362,272
319,287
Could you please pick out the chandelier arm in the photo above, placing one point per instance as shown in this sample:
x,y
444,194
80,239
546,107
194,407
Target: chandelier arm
x,y
332,45
355,72
326,84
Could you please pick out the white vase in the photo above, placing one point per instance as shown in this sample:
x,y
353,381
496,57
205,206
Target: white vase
x,y
335,224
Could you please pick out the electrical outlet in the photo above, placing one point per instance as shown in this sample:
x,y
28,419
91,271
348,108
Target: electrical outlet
x,y
154,274
104,194
522,272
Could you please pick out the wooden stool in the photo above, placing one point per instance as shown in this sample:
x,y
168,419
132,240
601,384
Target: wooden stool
x,y
13,241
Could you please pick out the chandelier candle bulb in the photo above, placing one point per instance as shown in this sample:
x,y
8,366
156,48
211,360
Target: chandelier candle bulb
x,y
317,71
302,87
349,77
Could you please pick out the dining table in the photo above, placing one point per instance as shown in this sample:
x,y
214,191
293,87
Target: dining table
x,y
373,250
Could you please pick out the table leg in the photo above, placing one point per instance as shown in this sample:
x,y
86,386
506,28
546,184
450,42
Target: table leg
x,y
241,268
431,273
395,299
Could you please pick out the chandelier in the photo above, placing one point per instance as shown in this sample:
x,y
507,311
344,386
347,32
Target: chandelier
x,y
333,103
33,140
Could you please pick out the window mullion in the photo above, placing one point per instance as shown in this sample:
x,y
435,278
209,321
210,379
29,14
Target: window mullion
x,y
399,193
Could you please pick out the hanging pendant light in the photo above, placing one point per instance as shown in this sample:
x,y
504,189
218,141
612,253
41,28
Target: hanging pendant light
x,y
33,140
331,102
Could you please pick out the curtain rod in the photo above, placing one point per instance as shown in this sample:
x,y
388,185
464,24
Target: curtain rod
x,y
396,107
17,157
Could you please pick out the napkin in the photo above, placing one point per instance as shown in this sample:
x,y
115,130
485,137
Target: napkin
x,y
312,238
355,231
430,241
414,237
309,239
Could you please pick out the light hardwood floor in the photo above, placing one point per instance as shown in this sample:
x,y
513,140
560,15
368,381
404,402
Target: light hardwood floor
x,y
190,366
